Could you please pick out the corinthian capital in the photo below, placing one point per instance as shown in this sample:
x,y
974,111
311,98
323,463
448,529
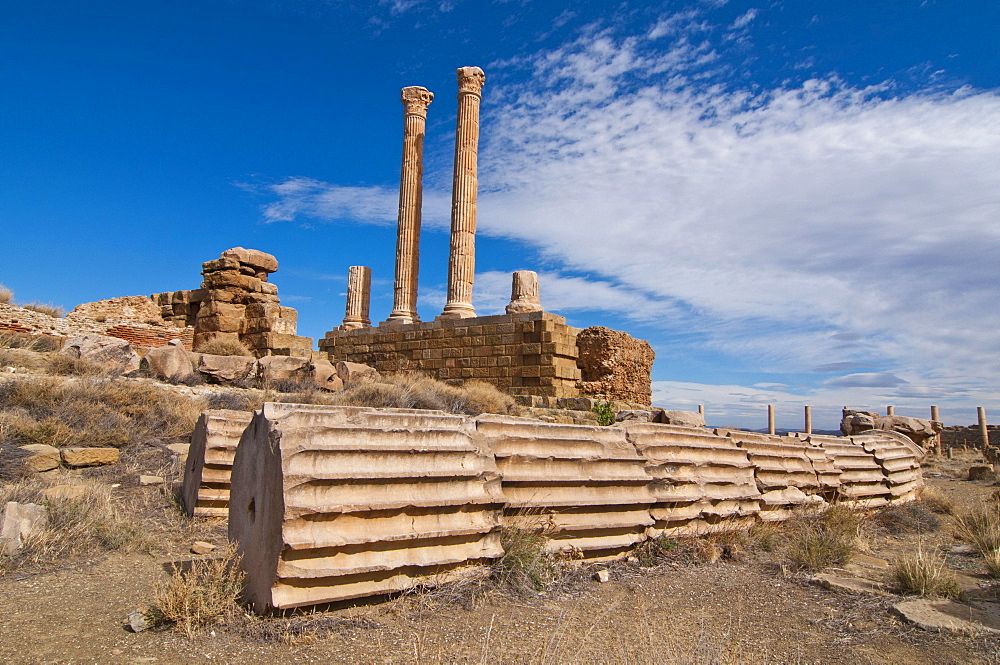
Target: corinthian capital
x,y
470,80
416,99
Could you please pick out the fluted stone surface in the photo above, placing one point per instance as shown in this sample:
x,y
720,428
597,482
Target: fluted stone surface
x,y
894,453
862,482
462,259
524,293
209,465
415,102
333,503
584,487
359,289
784,472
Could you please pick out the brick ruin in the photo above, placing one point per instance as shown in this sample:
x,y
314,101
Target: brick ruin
x,y
527,351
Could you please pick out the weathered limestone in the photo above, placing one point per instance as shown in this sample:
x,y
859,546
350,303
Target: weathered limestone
x,y
862,481
333,503
784,473
96,456
18,522
462,260
359,289
404,306
895,453
921,432
170,362
615,365
524,293
112,352
224,369
701,482
584,487
209,466
40,456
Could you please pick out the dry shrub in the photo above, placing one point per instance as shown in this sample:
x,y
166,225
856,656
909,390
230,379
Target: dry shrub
x,y
416,391
18,340
64,365
817,540
936,501
238,400
92,412
526,564
980,526
924,574
77,526
48,309
6,295
199,595
914,517
24,359
224,347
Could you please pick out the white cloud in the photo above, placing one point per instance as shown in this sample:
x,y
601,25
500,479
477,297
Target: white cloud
x,y
814,225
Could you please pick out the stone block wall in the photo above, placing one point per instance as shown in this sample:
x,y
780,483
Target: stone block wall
x,y
533,353
969,436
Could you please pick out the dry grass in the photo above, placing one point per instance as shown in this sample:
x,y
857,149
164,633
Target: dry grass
x,y
40,343
925,574
224,347
92,412
6,296
91,522
416,391
936,501
915,517
814,541
199,595
48,309
527,564
980,526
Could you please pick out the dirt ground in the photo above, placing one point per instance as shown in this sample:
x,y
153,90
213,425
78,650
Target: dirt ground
x,y
741,609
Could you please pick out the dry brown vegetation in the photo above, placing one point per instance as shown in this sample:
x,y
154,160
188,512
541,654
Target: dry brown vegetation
x,y
199,594
224,347
6,295
816,540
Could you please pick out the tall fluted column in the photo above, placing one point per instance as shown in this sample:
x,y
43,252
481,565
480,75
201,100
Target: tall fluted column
x,y
359,290
404,303
462,261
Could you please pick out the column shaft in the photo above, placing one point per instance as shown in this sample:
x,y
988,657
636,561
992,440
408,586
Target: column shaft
x,y
404,306
359,284
462,259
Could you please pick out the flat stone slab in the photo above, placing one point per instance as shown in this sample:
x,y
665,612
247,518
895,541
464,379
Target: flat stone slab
x,y
870,562
947,616
849,584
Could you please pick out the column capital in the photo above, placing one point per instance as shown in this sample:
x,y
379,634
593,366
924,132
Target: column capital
x,y
416,100
470,81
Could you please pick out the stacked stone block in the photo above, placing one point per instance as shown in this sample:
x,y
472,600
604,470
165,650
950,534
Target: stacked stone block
x,y
784,473
209,465
236,302
533,353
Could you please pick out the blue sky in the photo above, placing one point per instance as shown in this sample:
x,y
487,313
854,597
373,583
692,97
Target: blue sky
x,y
795,203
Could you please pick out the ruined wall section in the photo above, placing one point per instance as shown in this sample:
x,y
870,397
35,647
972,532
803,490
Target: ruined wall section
x,y
615,365
533,353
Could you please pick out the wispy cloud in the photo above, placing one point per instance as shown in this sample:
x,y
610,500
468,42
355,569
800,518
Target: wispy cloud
x,y
815,225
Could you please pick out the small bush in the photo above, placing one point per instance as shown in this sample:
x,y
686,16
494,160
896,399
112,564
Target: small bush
x,y
817,541
48,309
77,526
224,347
525,563
936,501
651,552
201,595
416,391
93,411
243,400
63,365
6,295
924,574
605,412
980,526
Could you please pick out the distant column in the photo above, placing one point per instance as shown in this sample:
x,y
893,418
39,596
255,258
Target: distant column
x,y
404,301
359,289
809,420
890,410
701,410
462,260
984,431
770,419
936,416
524,293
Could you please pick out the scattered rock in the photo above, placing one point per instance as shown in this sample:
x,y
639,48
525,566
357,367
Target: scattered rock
x,y
150,480
224,369
64,492
271,369
324,375
981,472
964,550
870,562
682,418
353,372
201,547
170,362
179,448
946,615
89,456
850,584
137,621
602,576
18,522
41,457
109,351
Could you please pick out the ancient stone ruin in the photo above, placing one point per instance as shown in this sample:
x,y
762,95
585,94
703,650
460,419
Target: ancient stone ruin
x,y
237,303
332,503
528,352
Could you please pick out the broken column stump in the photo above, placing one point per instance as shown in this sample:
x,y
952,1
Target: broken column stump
x,y
333,503
209,464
